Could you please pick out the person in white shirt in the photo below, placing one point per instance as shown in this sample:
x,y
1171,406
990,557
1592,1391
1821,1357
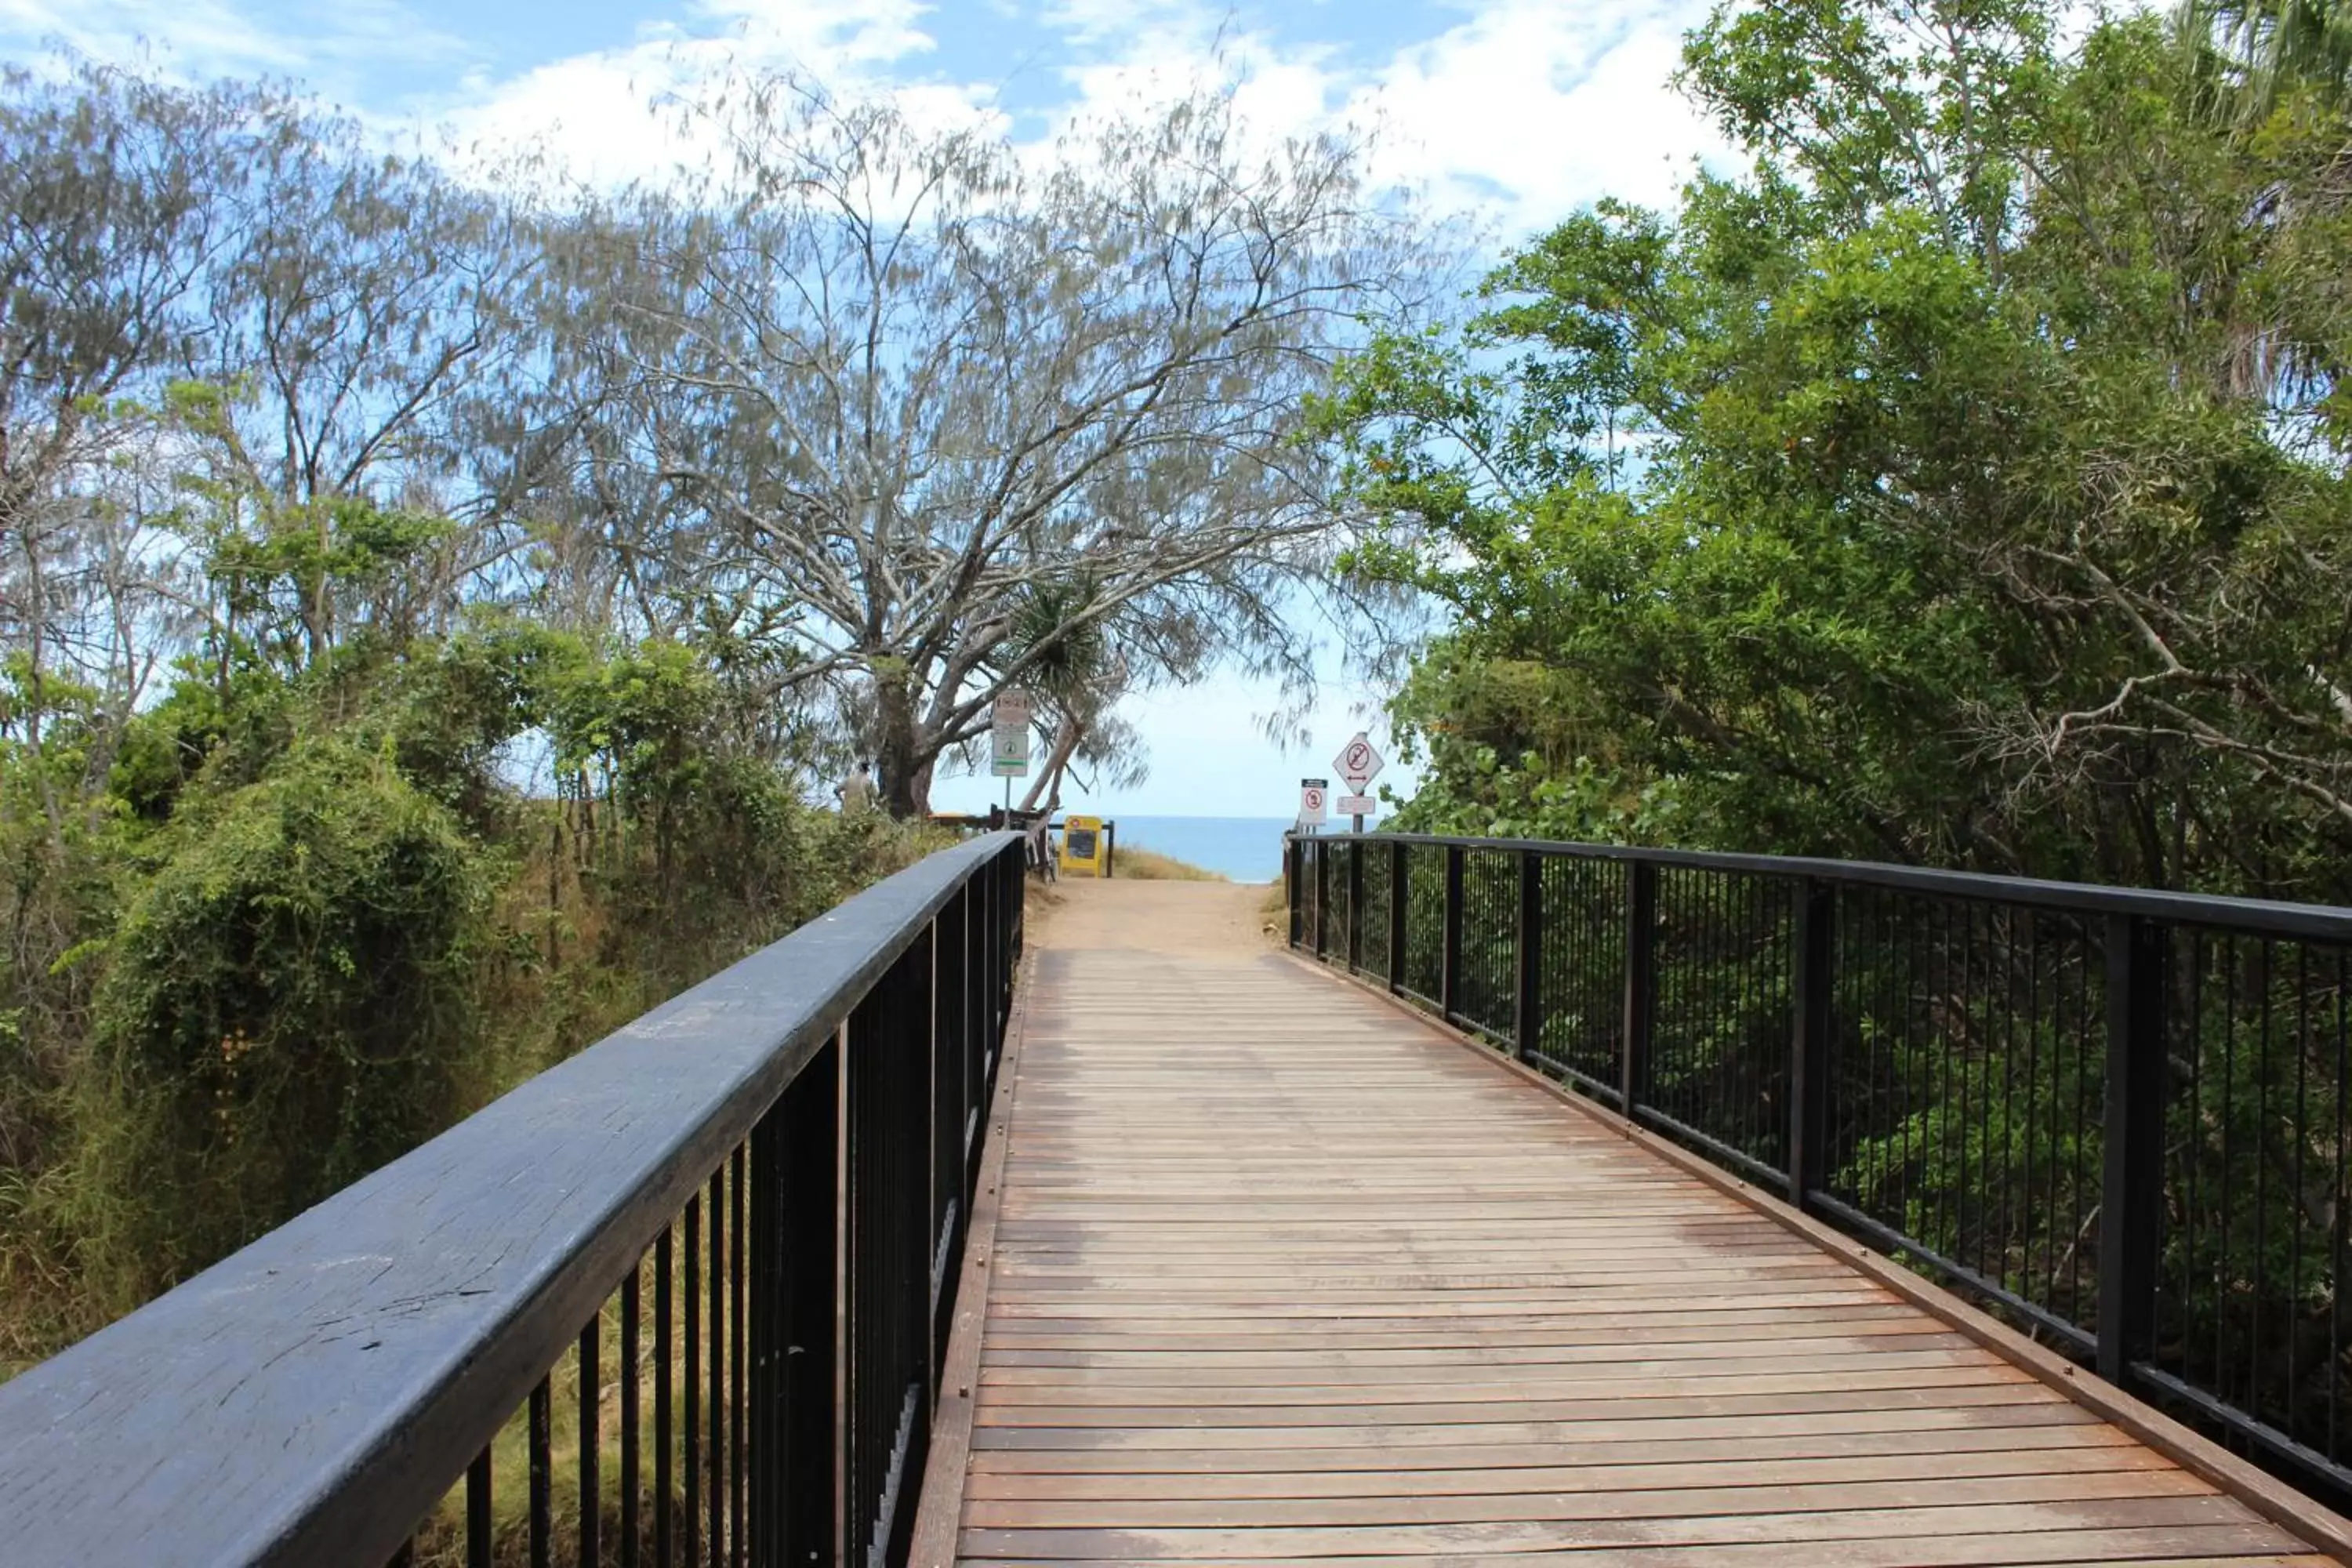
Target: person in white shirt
x,y
856,792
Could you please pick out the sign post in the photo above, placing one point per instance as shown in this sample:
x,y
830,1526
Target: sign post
x,y
1314,802
1358,764
1008,726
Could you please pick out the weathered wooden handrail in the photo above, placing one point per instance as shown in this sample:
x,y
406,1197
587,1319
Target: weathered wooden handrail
x,y
312,1398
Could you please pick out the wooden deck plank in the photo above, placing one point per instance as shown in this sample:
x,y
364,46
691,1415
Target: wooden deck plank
x,y
1280,1276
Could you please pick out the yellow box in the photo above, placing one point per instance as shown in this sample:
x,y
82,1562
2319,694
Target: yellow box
x,y
1083,845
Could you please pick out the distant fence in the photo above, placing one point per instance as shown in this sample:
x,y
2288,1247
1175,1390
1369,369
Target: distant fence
x,y
2120,1116
722,1245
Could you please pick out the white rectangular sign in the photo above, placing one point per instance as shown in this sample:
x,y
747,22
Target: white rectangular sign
x,y
1355,806
1008,732
1009,757
1358,762
1314,802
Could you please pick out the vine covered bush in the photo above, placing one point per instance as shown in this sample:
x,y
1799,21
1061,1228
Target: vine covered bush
x,y
289,1003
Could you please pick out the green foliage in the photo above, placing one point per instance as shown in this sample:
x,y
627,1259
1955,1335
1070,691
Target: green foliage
x,y
288,1002
1888,502
306,919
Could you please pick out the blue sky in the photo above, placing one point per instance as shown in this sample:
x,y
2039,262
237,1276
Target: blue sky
x,y
1516,110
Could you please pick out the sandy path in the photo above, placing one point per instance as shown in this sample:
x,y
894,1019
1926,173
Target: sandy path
x,y
1194,919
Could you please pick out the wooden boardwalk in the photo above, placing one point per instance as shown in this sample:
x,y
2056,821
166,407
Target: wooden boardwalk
x,y
1279,1274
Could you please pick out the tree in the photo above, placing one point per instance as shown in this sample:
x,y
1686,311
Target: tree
x,y
2268,47
366,301
903,382
1081,679
1999,529
109,214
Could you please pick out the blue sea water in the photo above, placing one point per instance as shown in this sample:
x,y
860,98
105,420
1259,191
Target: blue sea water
x,y
1244,848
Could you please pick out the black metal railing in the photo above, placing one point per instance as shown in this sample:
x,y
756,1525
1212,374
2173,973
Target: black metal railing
x,y
683,1299
2122,1117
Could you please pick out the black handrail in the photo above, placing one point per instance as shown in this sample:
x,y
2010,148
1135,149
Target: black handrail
x,y
2121,1116
314,1397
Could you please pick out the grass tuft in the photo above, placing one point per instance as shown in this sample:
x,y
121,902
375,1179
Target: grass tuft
x,y
1150,866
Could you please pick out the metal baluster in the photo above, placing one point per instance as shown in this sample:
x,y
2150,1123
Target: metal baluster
x,y
1813,984
716,1408
690,1310
735,1405
542,1422
592,1388
2130,1218
664,1307
632,1289
1641,983
479,1545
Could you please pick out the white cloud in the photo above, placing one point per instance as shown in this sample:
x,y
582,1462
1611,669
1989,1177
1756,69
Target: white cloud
x,y
1520,112
609,115
1530,109
200,39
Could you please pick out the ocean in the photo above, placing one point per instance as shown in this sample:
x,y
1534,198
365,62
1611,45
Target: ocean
x,y
1244,848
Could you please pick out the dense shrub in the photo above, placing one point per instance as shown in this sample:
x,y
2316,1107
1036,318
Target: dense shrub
x,y
288,1004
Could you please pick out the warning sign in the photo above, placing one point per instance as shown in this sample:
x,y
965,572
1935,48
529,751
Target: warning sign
x,y
1358,762
1314,802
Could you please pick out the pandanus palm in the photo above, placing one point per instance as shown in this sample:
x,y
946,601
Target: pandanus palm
x,y
1073,668
2276,45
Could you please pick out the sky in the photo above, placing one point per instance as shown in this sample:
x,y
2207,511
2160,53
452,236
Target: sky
x,y
1516,112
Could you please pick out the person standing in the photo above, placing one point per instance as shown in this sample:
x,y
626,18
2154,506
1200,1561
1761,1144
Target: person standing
x,y
856,792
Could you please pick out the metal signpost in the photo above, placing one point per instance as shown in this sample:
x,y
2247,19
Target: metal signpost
x,y
1358,764
1008,726
1314,802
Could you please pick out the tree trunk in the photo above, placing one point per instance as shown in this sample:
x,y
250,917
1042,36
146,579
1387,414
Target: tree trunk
x,y
1065,746
906,771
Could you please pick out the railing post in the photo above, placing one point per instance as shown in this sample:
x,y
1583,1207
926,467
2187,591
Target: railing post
x,y
805,1468
950,1101
1641,982
1397,911
2129,1210
1011,889
1355,905
1449,974
1322,898
1814,976
976,1030
1293,876
1526,1031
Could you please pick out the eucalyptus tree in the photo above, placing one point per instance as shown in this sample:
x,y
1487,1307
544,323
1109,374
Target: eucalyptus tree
x,y
907,380
368,299
109,218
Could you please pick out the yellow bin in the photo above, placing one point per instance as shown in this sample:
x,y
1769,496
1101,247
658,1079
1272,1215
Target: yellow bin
x,y
1083,845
